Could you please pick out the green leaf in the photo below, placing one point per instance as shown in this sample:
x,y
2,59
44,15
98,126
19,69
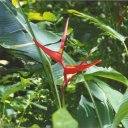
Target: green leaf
x,y
58,73
6,91
106,73
35,126
86,112
9,6
15,3
114,97
48,16
97,92
39,106
62,119
14,33
122,110
11,30
34,16
108,30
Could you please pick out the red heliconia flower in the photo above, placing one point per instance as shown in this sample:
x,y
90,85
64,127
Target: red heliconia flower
x,y
73,70
69,70
55,55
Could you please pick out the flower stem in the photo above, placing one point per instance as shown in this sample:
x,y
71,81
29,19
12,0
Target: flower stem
x,y
93,101
63,95
126,49
3,116
42,57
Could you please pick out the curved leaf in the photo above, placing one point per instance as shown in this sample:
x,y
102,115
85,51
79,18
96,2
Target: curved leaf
x,y
63,119
6,91
106,73
122,110
108,30
14,33
115,99
85,114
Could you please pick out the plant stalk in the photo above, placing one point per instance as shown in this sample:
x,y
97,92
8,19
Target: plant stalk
x,y
126,49
41,56
93,101
3,116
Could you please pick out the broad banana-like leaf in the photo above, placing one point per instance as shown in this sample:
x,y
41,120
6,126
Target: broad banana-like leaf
x,y
85,114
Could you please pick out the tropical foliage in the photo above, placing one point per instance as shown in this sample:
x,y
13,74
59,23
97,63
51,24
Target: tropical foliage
x,y
48,71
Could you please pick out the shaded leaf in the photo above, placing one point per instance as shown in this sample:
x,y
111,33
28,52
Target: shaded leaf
x,y
6,91
108,30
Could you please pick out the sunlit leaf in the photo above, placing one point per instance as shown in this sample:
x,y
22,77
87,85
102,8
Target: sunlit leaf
x,y
106,73
85,113
6,91
62,119
35,126
115,98
34,16
15,3
48,16
122,110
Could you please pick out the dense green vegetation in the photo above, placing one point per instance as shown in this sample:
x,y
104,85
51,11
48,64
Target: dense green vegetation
x,y
31,81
